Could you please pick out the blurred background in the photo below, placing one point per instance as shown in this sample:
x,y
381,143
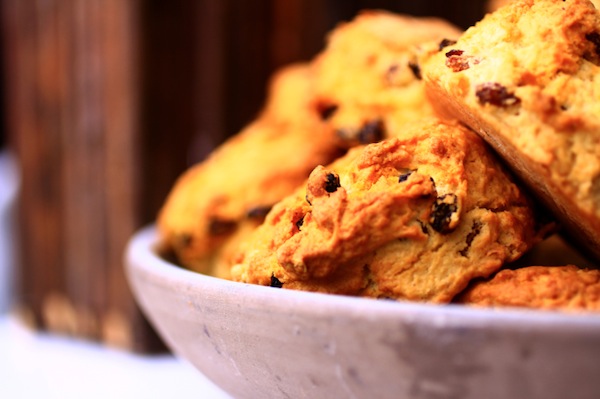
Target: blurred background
x,y
105,103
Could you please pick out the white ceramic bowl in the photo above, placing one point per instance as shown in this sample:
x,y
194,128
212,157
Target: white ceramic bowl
x,y
261,342
9,185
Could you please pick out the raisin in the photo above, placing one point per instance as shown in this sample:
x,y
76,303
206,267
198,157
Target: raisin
x,y
594,37
217,227
326,110
416,70
475,230
454,52
404,176
332,183
371,132
259,212
456,60
299,223
495,94
423,227
275,282
594,55
442,213
446,43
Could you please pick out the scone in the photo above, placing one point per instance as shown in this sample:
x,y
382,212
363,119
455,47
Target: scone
x,y
493,5
527,78
367,79
539,287
239,182
411,217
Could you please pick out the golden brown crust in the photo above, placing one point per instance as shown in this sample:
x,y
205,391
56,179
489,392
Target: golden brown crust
x,y
246,175
540,287
412,217
526,78
367,79
493,5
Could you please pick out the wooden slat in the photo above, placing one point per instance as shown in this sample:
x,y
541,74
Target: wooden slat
x,y
247,60
33,98
84,138
167,97
122,323
209,57
73,91
300,29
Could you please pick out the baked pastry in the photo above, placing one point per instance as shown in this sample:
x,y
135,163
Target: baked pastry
x,y
415,217
540,287
239,182
367,79
493,5
527,78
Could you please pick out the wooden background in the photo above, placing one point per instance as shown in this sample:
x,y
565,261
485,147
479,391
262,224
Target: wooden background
x,y
108,101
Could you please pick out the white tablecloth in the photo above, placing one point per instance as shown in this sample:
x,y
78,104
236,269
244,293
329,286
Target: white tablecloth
x,y
39,365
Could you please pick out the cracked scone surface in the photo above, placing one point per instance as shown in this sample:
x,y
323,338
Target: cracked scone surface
x,y
540,287
493,5
228,194
527,78
414,217
367,79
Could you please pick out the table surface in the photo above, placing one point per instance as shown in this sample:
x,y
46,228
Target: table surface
x,y
42,365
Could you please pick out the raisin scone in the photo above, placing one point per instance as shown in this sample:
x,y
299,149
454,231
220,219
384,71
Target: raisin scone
x,y
493,5
413,217
367,79
566,288
527,78
236,185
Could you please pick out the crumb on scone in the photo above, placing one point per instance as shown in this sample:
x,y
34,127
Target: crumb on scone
x,y
538,287
527,78
412,217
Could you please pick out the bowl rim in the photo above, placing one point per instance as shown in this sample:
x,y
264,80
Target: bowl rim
x,y
141,256
9,179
